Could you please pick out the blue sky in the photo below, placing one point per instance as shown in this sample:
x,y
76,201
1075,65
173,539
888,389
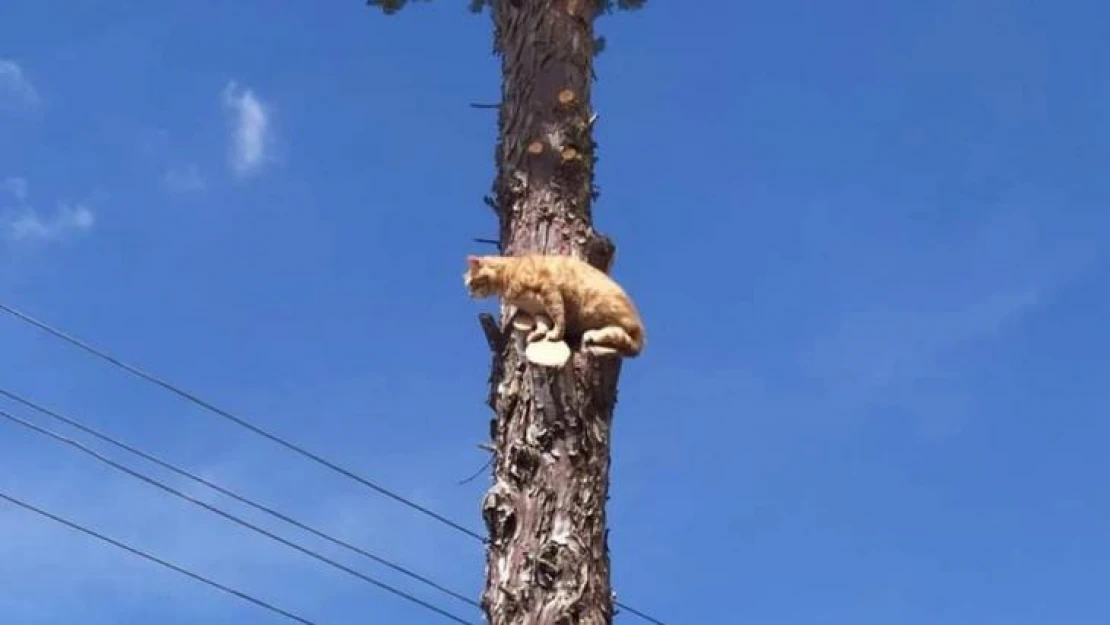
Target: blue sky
x,y
868,241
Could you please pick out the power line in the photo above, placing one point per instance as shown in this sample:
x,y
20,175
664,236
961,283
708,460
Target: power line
x,y
638,613
26,318
237,420
142,554
240,498
231,517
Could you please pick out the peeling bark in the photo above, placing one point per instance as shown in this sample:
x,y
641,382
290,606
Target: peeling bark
x,y
547,561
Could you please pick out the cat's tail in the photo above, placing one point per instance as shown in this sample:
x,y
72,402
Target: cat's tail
x,y
614,340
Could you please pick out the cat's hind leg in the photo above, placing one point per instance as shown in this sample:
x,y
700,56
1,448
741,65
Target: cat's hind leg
x,y
610,340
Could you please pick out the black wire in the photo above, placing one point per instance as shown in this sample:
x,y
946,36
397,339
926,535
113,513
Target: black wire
x,y
227,515
237,420
265,434
187,474
638,613
142,554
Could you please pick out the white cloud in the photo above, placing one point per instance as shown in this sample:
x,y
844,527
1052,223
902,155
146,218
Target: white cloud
x,y
16,91
251,134
21,221
184,179
29,224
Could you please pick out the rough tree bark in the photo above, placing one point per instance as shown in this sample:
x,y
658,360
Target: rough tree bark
x,y
547,561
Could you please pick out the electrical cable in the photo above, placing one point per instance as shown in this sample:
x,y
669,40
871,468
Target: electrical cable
x,y
231,517
146,556
237,420
26,318
72,422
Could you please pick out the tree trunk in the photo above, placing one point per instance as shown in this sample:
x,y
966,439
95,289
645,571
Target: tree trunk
x,y
547,561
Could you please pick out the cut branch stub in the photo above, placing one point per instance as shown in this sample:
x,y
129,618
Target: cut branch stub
x,y
547,353
494,337
523,322
566,96
535,147
542,351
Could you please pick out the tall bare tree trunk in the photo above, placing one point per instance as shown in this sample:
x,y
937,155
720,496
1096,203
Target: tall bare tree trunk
x,y
548,560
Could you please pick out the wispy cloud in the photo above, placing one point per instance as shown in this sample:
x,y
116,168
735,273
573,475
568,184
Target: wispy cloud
x,y
16,90
185,179
905,339
67,219
22,222
251,132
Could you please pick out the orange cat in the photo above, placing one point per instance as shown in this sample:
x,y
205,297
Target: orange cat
x,y
581,300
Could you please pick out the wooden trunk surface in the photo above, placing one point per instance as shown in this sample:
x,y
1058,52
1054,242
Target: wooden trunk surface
x,y
548,560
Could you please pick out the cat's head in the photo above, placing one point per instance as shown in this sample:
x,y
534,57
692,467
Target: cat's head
x,y
481,277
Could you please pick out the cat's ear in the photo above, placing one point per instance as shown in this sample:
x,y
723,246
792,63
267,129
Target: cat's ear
x,y
473,261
